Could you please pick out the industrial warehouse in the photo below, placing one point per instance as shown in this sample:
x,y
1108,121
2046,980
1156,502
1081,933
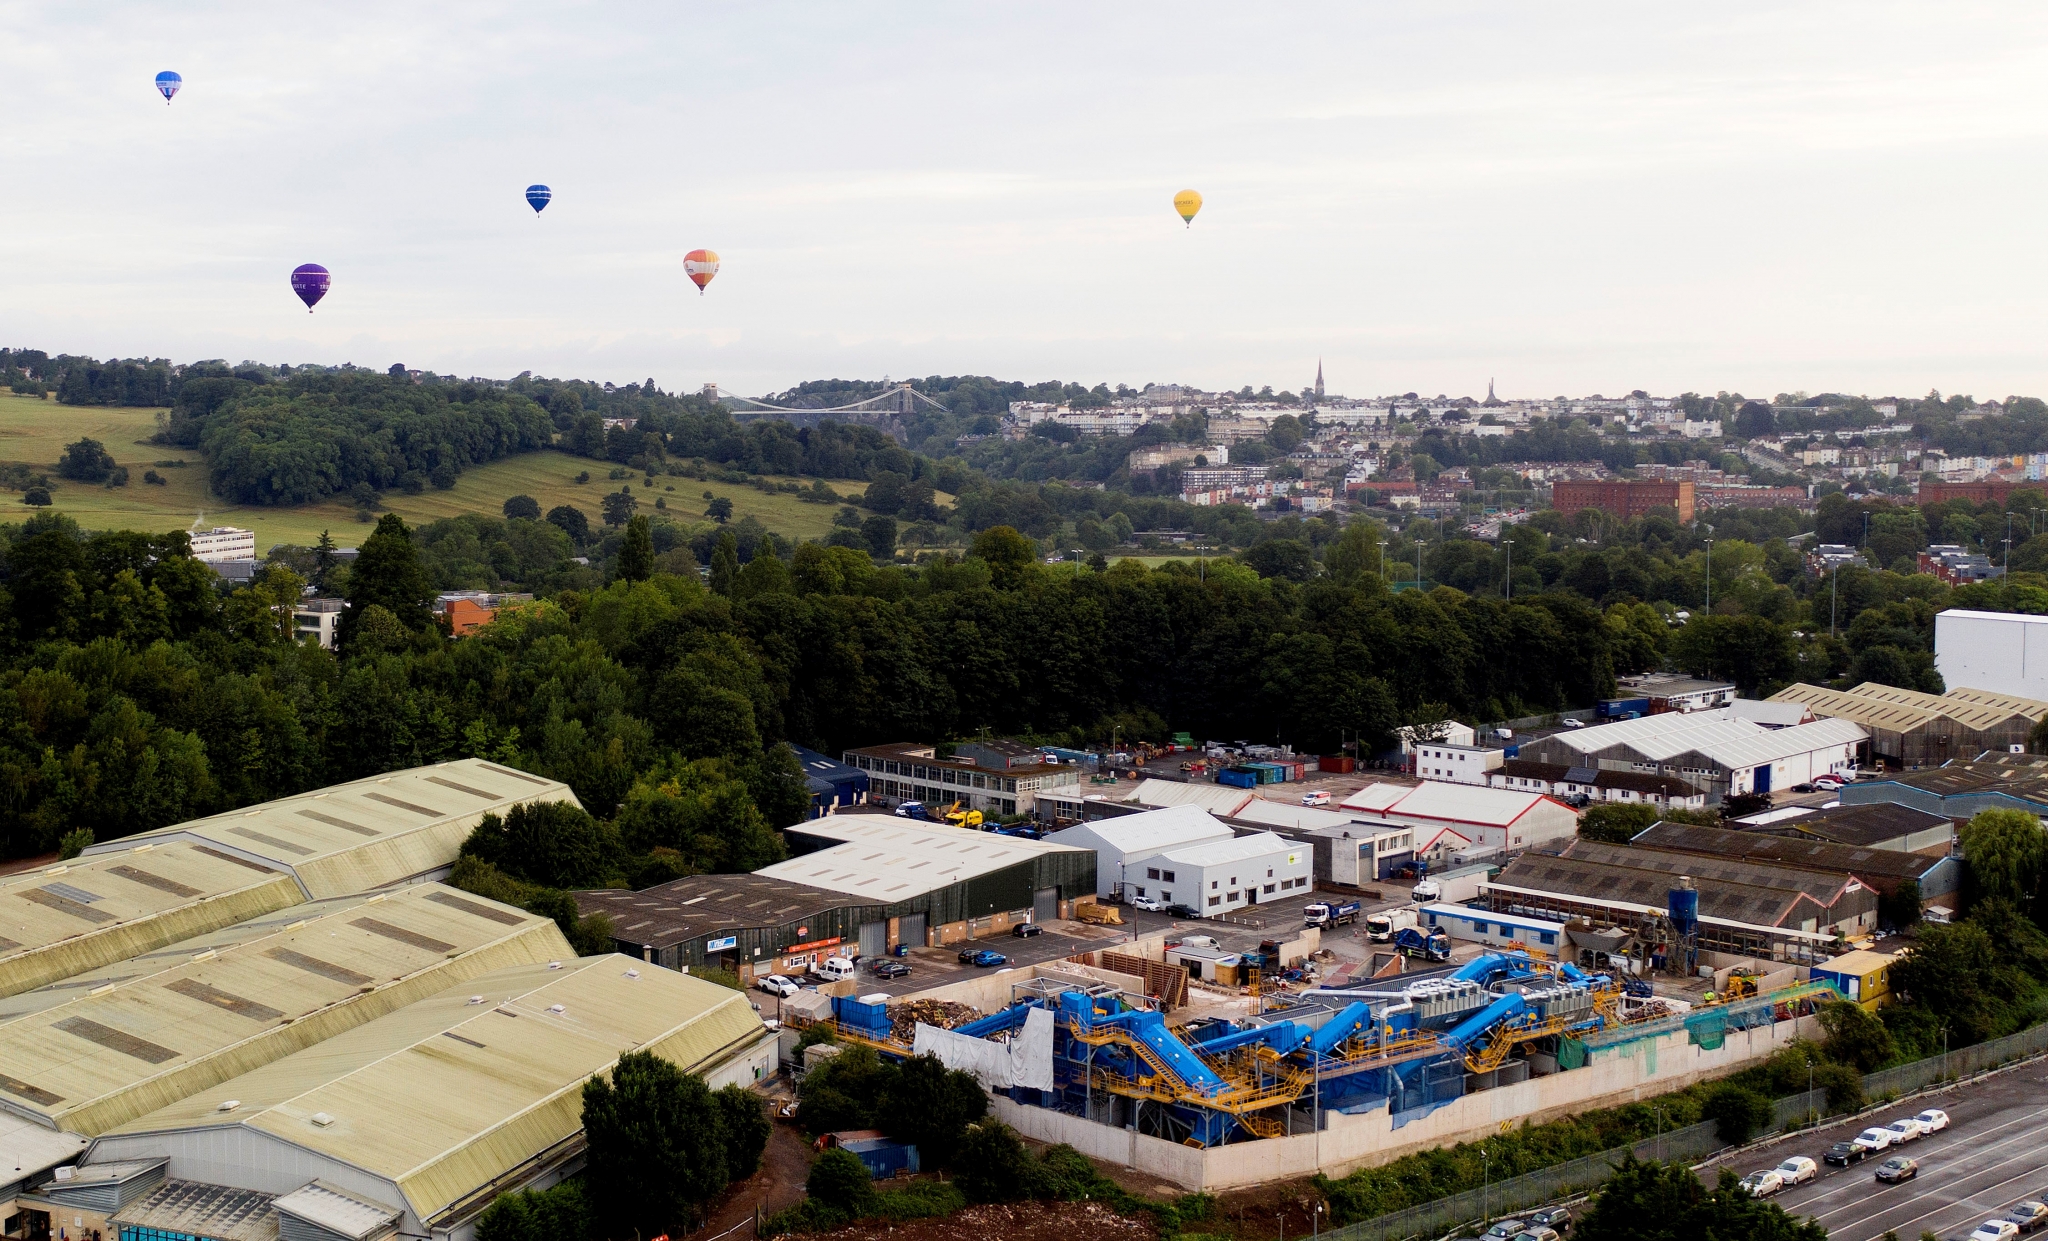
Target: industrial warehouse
x,y
1912,729
277,1021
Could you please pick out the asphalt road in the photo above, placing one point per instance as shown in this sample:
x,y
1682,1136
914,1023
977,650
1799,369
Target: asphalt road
x,y
1993,1154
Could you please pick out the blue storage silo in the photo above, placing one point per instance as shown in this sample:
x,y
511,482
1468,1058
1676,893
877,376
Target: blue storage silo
x,y
1685,908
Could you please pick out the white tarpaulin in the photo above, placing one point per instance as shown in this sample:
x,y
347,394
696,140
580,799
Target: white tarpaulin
x,y
1026,1060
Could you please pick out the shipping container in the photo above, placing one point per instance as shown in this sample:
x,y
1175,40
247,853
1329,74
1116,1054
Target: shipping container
x,y
1238,777
1268,773
1342,764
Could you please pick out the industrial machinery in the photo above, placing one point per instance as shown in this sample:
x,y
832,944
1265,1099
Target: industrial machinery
x,y
1409,1045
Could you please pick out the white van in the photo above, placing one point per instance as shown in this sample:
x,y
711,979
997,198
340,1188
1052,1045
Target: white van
x,y
835,969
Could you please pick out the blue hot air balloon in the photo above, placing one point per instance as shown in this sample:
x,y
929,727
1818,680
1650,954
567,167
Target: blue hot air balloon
x,y
309,281
538,196
168,83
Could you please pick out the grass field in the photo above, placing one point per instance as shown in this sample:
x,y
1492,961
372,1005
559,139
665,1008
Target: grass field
x,y
35,430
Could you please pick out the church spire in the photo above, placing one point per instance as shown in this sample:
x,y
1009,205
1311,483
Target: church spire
x,y
1319,378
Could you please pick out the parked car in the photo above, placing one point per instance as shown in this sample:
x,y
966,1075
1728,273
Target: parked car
x,y
1876,1140
1995,1230
1150,904
1183,911
1319,797
1557,1219
1897,1168
776,984
1798,1170
1802,788
1571,723
1829,779
1763,1184
1908,1129
1537,1234
889,967
2028,1216
984,958
1933,1119
1025,930
1502,1230
1844,1153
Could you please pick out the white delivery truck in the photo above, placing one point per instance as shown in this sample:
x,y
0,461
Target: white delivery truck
x,y
1380,927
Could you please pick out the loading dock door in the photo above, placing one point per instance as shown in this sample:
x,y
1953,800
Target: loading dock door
x,y
874,938
910,930
1045,904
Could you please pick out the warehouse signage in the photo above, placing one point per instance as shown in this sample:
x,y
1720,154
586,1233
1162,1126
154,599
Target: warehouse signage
x,y
816,943
726,944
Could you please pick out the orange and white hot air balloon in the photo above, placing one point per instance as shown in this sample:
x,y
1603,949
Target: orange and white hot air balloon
x,y
701,266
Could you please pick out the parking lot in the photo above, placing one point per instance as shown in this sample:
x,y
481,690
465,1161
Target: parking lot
x,y
1993,1154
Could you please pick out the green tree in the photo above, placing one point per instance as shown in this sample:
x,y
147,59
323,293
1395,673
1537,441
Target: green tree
x,y
747,1129
387,573
1855,1037
618,506
725,563
720,509
559,1213
86,461
992,1164
554,843
636,554
1646,1200
656,1146
571,522
1008,554
880,536
931,1106
842,1182
522,507
36,495
1737,1111
1615,823
2004,850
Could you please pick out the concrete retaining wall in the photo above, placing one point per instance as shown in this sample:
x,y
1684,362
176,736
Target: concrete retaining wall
x,y
1623,1075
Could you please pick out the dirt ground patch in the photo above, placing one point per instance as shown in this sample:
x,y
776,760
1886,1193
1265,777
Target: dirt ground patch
x,y
1015,1221
778,1184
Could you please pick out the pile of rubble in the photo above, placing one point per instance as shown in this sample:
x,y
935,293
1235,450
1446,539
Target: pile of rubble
x,y
945,1014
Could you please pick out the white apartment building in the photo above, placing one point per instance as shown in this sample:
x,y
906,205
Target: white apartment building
x,y
1460,764
223,543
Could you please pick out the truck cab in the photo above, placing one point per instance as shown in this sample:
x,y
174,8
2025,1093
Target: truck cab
x,y
1380,927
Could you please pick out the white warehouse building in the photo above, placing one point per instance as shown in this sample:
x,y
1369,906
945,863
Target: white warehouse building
x,y
1224,876
1449,817
2000,651
1119,842
1718,751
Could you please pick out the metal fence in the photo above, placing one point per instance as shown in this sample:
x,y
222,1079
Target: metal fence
x,y
1434,1219
1693,1143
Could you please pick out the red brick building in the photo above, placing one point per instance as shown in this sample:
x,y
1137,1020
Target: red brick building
x,y
1988,492
1624,499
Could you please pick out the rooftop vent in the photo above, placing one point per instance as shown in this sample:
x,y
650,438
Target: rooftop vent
x,y
227,1105
557,1009
632,973
476,999
321,1119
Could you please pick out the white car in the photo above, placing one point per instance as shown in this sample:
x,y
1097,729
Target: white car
x,y
1995,1230
1870,1141
1933,1120
1908,1129
1763,1184
776,984
1150,904
1575,723
1321,797
1798,1170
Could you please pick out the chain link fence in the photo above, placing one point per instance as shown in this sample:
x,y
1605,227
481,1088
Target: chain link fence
x,y
1693,1143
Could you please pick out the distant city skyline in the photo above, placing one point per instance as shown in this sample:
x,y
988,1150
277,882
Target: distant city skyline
x,y
1568,199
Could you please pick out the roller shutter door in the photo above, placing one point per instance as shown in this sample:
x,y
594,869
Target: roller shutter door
x,y
874,938
910,930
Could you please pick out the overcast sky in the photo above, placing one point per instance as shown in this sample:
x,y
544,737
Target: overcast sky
x,y
1568,198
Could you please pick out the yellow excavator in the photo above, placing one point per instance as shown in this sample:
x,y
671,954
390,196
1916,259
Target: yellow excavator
x,y
959,816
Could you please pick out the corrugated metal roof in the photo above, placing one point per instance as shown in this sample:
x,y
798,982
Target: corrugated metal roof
x,y
1896,717
106,1054
1824,888
1977,715
1597,883
1152,830
1820,855
2032,708
1236,849
1268,812
1214,798
1443,801
886,859
194,1209
683,909
369,833
124,900
445,1095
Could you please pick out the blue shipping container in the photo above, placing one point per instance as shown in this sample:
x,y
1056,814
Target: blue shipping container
x,y
861,1016
1238,778
883,1157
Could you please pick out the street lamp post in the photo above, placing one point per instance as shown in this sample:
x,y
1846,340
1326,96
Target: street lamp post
x,y
1485,1185
1710,577
1383,560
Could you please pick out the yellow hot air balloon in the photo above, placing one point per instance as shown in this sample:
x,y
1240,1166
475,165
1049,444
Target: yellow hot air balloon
x,y
1187,202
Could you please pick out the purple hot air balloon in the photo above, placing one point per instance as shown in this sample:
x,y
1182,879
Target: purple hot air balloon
x,y
309,281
